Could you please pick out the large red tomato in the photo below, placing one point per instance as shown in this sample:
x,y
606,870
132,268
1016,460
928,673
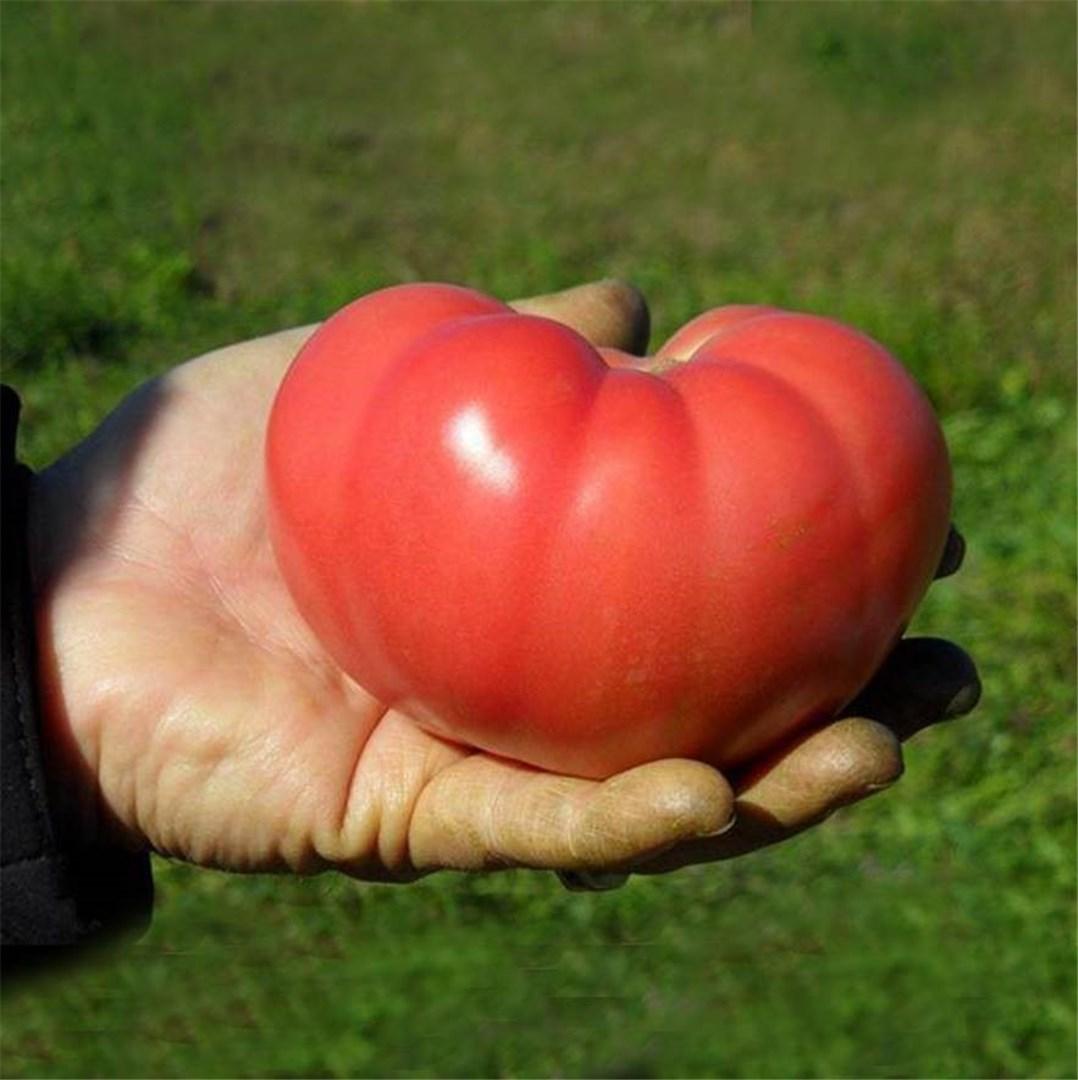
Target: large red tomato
x,y
546,553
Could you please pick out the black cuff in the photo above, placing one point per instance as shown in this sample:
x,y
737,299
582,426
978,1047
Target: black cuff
x,y
52,892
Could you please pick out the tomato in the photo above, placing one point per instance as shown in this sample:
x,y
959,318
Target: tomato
x,y
558,557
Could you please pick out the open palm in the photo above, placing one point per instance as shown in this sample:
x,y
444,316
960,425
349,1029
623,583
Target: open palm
x,y
191,709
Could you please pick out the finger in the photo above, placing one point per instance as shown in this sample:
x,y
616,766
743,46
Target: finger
x,y
923,682
954,552
608,313
798,786
486,813
831,767
592,880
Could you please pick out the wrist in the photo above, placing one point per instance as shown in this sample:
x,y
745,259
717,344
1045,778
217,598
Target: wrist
x,y
62,881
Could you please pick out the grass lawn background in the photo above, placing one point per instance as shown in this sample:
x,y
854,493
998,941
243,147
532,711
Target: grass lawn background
x,y
176,177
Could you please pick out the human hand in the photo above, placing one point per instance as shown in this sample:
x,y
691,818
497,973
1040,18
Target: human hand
x,y
189,708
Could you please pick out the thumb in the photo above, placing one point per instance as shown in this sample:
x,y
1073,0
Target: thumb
x,y
609,313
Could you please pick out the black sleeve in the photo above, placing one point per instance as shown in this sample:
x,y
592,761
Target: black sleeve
x,y
52,891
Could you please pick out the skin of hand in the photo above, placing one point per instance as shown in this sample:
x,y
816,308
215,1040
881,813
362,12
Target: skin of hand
x,y
189,709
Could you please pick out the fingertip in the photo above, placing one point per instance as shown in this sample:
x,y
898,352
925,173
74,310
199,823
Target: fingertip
x,y
592,880
631,311
685,799
954,553
834,766
609,313
923,682
864,756
967,698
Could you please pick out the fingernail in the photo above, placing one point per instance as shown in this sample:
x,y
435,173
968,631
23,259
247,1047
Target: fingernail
x,y
882,785
719,832
964,701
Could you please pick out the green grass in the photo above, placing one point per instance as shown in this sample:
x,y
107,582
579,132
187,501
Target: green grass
x,y
180,176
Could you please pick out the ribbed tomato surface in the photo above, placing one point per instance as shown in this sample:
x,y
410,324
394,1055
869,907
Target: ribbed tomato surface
x,y
562,558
